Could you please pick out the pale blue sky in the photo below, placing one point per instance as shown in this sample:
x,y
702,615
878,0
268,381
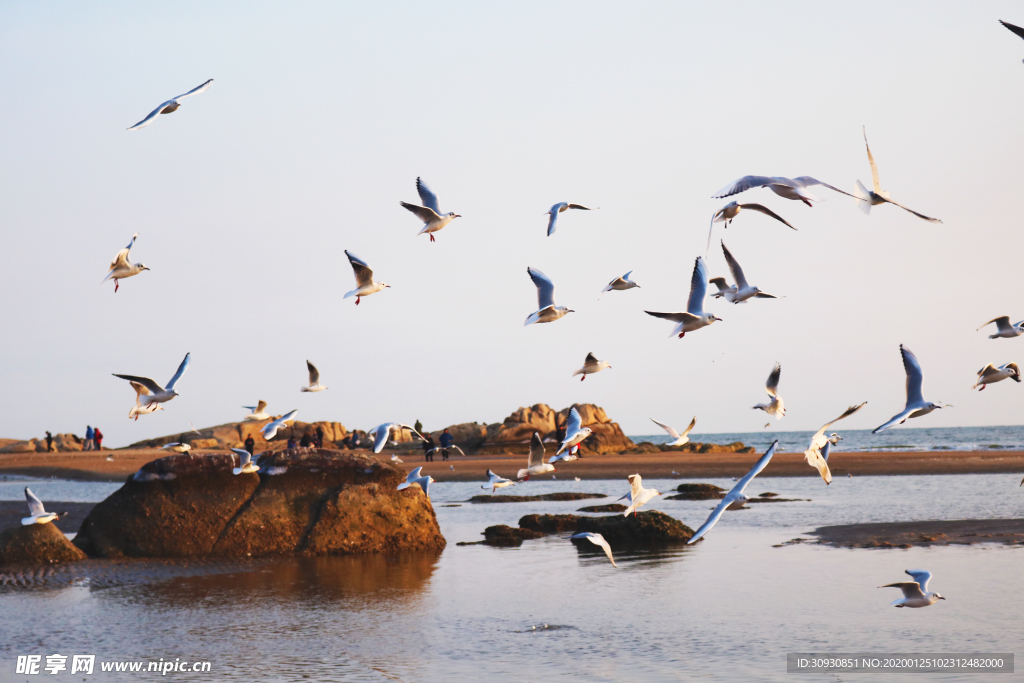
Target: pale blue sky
x,y
320,117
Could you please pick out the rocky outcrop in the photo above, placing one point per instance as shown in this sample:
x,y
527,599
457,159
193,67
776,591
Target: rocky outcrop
x,y
517,429
63,443
692,447
562,495
506,536
468,436
645,529
549,524
611,507
36,544
234,434
305,501
698,492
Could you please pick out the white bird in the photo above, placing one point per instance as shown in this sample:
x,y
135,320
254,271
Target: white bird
x,y
365,284
916,405
157,393
557,209
591,365
868,198
991,374
915,593
177,447
258,411
741,291
598,540
680,439
789,188
269,430
694,317
246,465
564,457
121,268
415,477
619,284
37,514
395,459
453,447
724,289
577,479
138,408
535,462
547,311
735,499
728,212
171,105
575,432
638,495
314,379
1004,328
382,433
776,406
433,219
817,452
494,482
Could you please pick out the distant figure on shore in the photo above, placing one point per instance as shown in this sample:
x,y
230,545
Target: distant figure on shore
x,y
49,443
319,437
418,425
347,442
356,441
446,440
89,434
97,437
291,442
307,439
428,448
250,445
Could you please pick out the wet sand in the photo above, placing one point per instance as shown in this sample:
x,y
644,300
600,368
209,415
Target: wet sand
x,y
926,533
93,466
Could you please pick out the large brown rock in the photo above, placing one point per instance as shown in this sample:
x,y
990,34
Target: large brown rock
x,y
468,436
549,524
234,434
36,544
645,529
518,428
305,501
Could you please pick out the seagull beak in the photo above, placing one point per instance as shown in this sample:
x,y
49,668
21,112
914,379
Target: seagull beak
x,y
145,268
570,311
718,319
457,216
388,286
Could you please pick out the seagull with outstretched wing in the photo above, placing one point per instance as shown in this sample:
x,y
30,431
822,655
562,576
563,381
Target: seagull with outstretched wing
x,y
916,405
694,318
867,198
171,105
735,499
429,213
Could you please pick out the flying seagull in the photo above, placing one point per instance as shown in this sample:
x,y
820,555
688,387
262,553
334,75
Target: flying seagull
x,y
1016,29
494,482
547,311
415,477
638,495
121,268
591,365
575,432
269,430
37,514
557,209
816,454
694,317
433,219
246,465
915,593
171,105
138,408
619,284
382,433
728,212
157,393
680,439
177,447
790,188
991,374
776,406
314,379
916,405
396,459
365,284
868,198
535,461
735,499
1004,328
741,291
258,411
453,447
598,540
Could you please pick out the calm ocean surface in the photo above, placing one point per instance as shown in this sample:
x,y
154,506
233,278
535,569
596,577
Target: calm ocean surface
x,y
727,609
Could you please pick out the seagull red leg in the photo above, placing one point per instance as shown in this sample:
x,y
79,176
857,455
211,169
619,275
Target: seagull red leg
x,y
116,285
357,301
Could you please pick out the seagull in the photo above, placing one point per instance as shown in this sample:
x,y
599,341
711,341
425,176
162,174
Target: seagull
x,y
139,409
557,209
37,514
724,290
395,459
259,411
269,430
366,285
178,447
170,106
314,379
575,432
619,284
790,188
598,540
741,291
547,311
1016,29
382,433
414,477
638,495
991,374
564,457
1004,328
431,216
776,406
868,198
694,318
735,499
245,462
915,593
728,212
535,462
591,365
817,452
157,393
680,439
453,447
121,268
916,405
494,482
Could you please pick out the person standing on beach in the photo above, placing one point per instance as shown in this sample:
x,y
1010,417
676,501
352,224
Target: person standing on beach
x,y
418,426
49,443
250,445
446,440
319,437
428,447
356,441
97,437
291,442
306,440
89,434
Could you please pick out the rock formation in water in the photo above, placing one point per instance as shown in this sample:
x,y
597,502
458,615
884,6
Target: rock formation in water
x,y
305,501
35,544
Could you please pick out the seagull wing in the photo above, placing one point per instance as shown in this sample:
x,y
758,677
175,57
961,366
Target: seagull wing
x,y
896,419
767,212
674,317
919,215
987,371
911,589
734,268
314,374
871,160
428,198
772,385
743,184
423,213
35,506
1002,323
806,180
536,456
815,459
698,288
758,466
152,115
573,423
1016,29
847,413
144,381
693,423
260,406
122,256
194,91
380,436
545,288
244,456
914,377
140,390
591,359
636,486
711,520
553,219
364,275
598,540
921,576
671,430
577,206
181,371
